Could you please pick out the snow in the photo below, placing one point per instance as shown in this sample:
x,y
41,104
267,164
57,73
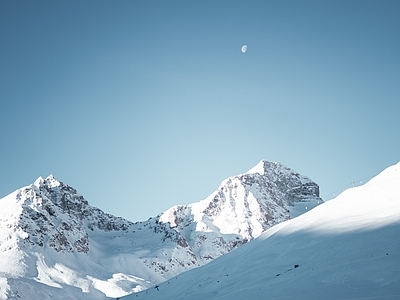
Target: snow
x,y
347,248
300,208
3,288
58,274
262,167
52,242
168,216
49,181
118,285
259,168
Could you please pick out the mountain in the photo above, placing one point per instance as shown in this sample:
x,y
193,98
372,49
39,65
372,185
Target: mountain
x,y
54,244
346,248
242,208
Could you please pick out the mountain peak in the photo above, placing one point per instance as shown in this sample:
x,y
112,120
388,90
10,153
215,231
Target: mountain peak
x,y
262,166
278,170
39,182
49,182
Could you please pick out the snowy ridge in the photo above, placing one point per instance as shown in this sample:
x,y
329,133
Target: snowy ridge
x,y
52,242
347,248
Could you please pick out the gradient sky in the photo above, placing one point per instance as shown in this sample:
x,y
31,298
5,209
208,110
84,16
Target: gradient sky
x,y
142,105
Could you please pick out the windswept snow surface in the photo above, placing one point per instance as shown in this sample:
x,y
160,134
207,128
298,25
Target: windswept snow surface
x,y
347,248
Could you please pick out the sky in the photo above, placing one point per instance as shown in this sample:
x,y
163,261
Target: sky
x,y
143,105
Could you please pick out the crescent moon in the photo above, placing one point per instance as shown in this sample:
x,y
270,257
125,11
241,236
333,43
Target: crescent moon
x,y
244,48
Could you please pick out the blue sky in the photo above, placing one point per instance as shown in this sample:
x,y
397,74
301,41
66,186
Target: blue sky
x,y
141,105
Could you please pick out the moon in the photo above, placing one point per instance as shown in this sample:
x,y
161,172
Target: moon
x,y
244,48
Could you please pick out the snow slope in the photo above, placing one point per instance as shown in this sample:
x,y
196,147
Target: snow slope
x,y
347,248
54,244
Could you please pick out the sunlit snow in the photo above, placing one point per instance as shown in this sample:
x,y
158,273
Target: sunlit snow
x,y
347,248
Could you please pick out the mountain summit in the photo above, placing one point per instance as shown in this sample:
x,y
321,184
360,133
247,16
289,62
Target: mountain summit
x,y
243,207
52,242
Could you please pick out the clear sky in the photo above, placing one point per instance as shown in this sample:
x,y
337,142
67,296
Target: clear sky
x,y
142,105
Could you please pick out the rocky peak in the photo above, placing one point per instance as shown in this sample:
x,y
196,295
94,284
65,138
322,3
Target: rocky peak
x,y
243,207
48,182
54,214
294,186
264,165
61,195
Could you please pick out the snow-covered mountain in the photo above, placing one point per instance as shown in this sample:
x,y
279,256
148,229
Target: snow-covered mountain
x,y
346,248
54,244
242,208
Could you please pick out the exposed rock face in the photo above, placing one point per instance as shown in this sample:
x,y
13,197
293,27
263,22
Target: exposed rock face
x,y
54,213
49,230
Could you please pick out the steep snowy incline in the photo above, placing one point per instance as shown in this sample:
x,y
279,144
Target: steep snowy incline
x,y
347,248
52,242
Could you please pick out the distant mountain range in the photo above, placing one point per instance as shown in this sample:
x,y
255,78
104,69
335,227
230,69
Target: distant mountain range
x,y
54,245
